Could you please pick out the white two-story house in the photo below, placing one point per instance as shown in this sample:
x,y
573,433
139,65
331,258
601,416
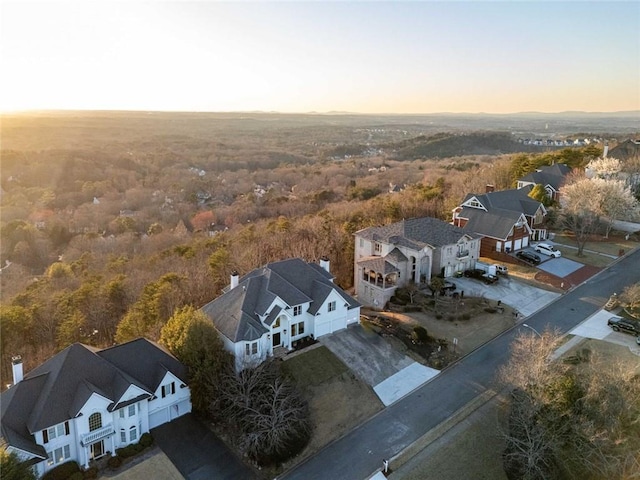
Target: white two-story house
x,y
275,306
413,250
84,403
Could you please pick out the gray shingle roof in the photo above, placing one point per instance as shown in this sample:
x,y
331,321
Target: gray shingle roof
x,y
416,233
237,312
503,209
55,391
378,264
552,175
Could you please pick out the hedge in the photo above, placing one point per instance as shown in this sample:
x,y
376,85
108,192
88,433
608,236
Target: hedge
x,y
62,472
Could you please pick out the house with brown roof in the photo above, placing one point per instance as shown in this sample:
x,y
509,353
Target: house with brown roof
x,y
84,403
392,256
507,220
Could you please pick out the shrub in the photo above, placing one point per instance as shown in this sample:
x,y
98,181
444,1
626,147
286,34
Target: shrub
x,y
146,440
466,316
420,334
76,476
90,473
451,318
412,308
114,462
490,310
62,472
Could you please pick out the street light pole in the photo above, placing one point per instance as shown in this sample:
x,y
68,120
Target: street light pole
x,y
532,329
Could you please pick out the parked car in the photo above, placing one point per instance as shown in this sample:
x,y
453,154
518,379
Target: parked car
x,y
528,257
447,286
480,274
548,250
502,269
624,325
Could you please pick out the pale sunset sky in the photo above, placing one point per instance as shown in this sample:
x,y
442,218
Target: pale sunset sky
x,y
365,57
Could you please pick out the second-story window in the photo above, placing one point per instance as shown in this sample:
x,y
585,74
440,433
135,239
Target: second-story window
x,y
332,306
132,410
377,247
297,310
95,421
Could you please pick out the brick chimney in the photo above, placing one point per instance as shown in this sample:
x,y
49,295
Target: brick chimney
x,y
324,263
490,188
234,280
18,374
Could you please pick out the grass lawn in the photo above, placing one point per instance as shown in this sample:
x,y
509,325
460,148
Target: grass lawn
x,y
314,367
609,246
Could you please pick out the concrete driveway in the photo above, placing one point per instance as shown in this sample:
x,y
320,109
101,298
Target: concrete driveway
x,y
596,327
523,297
376,362
197,453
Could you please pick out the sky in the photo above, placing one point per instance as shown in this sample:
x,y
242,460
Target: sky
x,y
362,57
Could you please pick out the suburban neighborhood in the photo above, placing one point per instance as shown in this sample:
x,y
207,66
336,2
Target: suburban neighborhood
x,y
85,405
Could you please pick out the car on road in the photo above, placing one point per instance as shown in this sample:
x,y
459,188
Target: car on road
x,y
529,257
480,274
624,325
547,249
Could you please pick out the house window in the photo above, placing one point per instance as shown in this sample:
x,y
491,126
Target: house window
x,y
57,431
377,247
123,436
297,329
332,306
59,455
170,388
361,242
95,421
133,434
122,413
297,310
251,349
132,410
276,324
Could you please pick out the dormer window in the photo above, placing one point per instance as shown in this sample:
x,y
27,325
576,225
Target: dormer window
x,y
297,310
377,248
474,203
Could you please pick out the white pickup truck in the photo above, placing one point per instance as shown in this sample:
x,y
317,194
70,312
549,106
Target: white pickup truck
x,y
492,269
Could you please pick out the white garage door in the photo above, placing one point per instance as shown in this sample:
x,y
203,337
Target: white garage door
x,y
525,242
158,418
322,329
518,244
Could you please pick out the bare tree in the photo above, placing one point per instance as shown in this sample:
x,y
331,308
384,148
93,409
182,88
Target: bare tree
x,y
272,417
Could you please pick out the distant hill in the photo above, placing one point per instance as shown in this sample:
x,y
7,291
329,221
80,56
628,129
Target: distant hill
x,y
444,145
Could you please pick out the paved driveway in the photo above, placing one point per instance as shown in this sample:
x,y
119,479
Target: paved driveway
x,y
197,453
375,361
523,297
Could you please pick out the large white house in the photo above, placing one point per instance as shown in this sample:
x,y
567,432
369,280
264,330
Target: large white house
x,y
391,256
84,403
275,306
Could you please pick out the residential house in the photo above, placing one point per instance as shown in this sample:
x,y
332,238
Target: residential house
x,y
507,220
84,403
391,256
551,177
271,308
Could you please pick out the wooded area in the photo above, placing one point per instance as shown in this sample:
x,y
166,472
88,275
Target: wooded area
x,y
111,222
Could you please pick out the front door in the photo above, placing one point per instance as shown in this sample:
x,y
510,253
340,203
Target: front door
x,y
276,339
97,449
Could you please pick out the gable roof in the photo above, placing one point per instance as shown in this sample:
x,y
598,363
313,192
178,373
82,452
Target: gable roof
x,y
551,175
237,313
416,233
56,390
502,210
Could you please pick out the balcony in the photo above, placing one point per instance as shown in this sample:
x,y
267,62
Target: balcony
x,y
99,434
462,254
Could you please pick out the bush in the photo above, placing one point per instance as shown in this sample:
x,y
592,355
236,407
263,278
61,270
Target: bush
x,y
420,334
466,316
438,316
62,472
90,473
490,310
76,476
146,440
451,318
114,463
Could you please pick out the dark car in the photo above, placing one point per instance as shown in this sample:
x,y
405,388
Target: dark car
x,y
624,325
480,274
447,286
528,257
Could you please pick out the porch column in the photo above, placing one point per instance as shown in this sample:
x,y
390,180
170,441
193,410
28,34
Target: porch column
x,y
113,445
86,456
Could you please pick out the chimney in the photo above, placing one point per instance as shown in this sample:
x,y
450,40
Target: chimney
x,y
234,280
606,151
490,188
16,363
324,263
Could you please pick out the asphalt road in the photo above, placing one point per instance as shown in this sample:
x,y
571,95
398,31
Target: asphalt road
x,y
360,453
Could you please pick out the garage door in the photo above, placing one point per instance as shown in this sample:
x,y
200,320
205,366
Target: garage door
x,y
517,244
158,418
525,242
322,329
